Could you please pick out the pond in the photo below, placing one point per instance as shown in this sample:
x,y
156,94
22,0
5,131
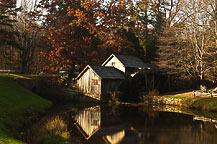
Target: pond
x,y
123,124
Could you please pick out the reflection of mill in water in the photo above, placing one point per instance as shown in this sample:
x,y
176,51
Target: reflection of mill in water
x,y
88,122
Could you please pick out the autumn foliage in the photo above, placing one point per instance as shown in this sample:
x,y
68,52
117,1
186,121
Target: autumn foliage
x,y
85,32
82,32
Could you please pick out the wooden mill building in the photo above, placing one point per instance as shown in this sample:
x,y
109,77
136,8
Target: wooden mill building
x,y
97,81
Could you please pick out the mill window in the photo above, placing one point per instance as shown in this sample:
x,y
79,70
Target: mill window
x,y
95,81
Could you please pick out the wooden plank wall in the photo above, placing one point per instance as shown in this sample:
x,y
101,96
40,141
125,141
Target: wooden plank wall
x,y
90,84
114,62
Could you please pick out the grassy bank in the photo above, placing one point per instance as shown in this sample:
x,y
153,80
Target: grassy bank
x,y
203,103
18,107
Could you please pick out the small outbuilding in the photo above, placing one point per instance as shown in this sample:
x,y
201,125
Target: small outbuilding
x,y
98,81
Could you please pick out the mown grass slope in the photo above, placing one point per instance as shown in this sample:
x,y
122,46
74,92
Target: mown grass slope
x,y
18,106
203,103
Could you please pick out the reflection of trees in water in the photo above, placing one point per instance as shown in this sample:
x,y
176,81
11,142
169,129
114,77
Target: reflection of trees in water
x,y
125,125
204,133
165,127
52,129
171,133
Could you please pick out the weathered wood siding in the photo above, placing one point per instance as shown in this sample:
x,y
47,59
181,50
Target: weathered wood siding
x,y
90,84
116,63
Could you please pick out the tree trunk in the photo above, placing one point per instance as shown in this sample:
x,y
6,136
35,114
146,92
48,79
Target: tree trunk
x,y
70,76
24,68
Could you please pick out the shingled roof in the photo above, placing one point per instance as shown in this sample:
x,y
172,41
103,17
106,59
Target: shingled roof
x,y
130,61
105,72
127,61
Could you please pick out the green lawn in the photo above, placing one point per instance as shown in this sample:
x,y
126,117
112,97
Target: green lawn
x,y
204,103
17,107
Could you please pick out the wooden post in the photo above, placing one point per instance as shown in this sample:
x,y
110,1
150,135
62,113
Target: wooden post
x,y
153,79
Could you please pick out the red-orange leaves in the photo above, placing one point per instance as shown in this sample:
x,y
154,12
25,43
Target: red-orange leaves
x,y
81,17
86,31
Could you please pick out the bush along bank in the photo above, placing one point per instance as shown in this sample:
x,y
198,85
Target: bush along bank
x,y
18,108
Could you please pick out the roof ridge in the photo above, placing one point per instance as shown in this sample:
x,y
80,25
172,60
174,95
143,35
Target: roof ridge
x,y
106,72
126,55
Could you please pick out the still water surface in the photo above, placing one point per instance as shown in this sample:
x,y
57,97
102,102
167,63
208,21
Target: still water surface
x,y
124,125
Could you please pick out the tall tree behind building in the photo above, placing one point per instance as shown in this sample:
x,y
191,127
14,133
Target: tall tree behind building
x,y
27,34
85,32
148,18
7,55
187,46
